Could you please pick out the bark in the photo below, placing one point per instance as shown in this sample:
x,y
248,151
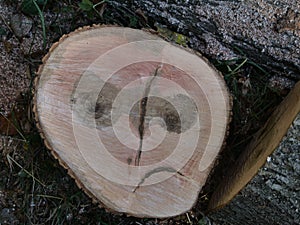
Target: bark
x,y
273,196
267,32
262,145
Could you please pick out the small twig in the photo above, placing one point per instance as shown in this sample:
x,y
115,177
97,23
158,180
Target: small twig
x,y
32,197
188,217
9,158
99,3
4,21
49,196
239,66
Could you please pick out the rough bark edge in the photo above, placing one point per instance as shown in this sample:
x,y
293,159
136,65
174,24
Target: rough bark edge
x,y
80,185
255,156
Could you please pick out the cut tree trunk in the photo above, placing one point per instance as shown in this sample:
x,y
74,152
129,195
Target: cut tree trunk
x,y
267,32
137,122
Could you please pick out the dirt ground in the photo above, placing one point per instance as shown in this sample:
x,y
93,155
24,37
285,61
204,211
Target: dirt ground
x,y
35,189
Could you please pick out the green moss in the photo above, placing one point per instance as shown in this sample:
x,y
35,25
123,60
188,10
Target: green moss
x,y
172,36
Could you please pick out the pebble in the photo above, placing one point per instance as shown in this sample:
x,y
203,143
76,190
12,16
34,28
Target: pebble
x,y
21,25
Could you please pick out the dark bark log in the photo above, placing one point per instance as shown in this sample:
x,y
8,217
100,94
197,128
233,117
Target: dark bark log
x,y
267,32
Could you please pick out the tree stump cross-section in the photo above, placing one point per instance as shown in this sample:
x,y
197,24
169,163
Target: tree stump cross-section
x,y
138,122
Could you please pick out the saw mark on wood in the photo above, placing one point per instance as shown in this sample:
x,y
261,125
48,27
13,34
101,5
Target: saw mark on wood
x,y
143,110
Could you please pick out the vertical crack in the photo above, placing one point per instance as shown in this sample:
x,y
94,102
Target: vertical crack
x,y
143,110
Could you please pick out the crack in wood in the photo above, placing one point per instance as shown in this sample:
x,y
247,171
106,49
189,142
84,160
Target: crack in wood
x,y
143,110
154,171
